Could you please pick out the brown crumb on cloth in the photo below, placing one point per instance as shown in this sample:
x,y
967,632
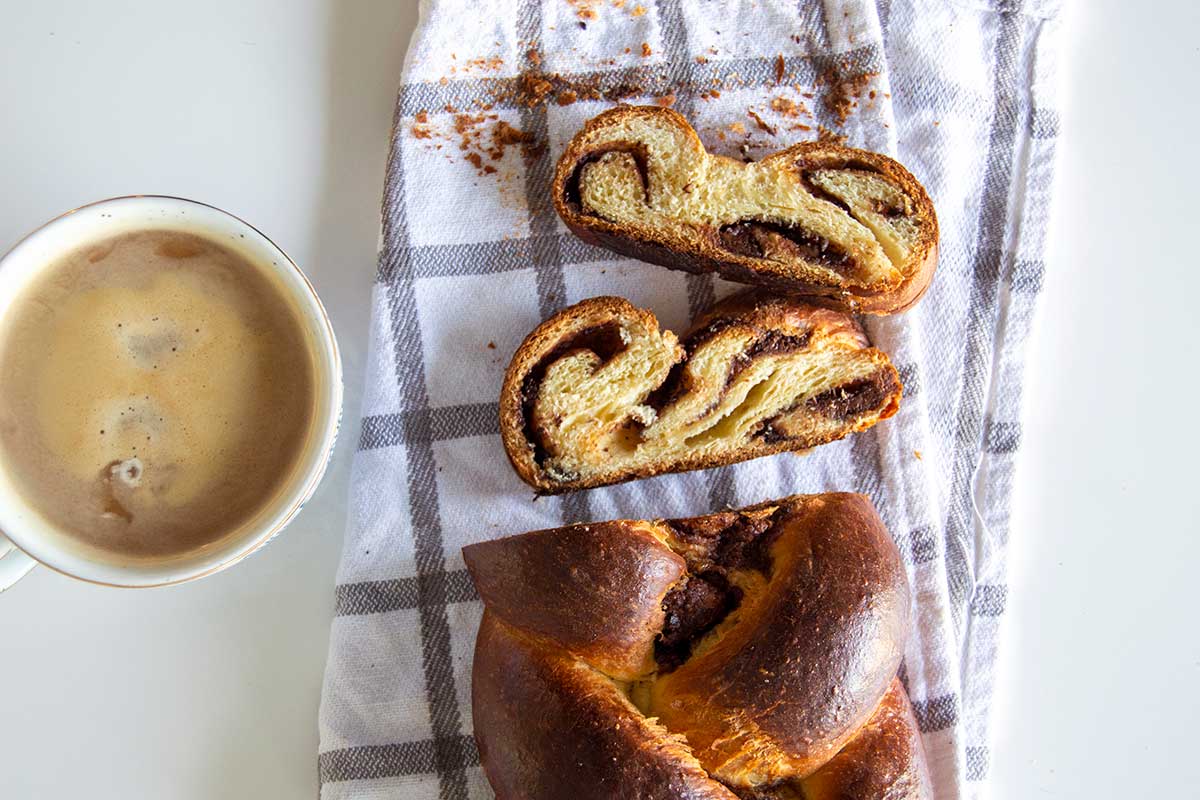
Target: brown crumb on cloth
x,y
482,138
489,64
585,10
504,135
826,135
479,138
845,89
534,89
787,107
761,123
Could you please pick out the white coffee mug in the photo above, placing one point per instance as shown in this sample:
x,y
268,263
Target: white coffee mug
x,y
31,539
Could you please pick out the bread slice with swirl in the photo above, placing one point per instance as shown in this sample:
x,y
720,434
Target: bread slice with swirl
x,y
849,229
597,394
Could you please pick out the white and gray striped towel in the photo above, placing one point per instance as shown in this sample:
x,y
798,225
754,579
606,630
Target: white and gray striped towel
x,y
473,257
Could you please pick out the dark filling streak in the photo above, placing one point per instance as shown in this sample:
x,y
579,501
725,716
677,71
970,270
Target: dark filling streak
x,y
747,545
739,239
728,542
878,206
641,157
841,403
675,386
770,342
854,165
698,337
604,340
838,164
703,530
671,389
692,610
768,434
775,342
769,240
888,211
771,792
821,194
853,398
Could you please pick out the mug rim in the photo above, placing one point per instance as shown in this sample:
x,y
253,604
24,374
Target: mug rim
x,y
326,429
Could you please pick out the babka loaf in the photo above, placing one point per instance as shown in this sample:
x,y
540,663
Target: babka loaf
x,y
849,229
597,394
745,654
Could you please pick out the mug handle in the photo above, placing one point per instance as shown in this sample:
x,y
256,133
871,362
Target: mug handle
x,y
14,564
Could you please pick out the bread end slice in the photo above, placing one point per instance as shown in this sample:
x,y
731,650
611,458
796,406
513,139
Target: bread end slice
x,y
848,229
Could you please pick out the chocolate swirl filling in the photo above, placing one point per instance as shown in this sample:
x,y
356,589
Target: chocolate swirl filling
x,y
718,545
604,340
641,160
769,240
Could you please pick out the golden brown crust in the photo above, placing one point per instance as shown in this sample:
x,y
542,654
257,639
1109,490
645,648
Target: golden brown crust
x,y
550,727
596,590
593,313
780,312
824,636
791,693
781,316
700,250
885,761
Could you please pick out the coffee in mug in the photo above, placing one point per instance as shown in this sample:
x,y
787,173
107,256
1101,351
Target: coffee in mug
x,y
155,393
170,391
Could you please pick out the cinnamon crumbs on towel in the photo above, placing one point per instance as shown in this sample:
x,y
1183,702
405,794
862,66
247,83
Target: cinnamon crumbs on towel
x,y
845,88
761,123
481,137
826,135
788,108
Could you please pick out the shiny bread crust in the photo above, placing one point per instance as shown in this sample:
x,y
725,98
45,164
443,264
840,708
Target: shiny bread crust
x,y
793,694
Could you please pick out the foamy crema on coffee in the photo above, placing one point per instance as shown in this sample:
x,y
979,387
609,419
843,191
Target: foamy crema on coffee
x,y
155,393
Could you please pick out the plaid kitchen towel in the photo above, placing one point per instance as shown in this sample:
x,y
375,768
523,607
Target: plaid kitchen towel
x,y
473,257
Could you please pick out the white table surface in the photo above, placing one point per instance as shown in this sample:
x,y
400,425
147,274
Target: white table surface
x,y
279,110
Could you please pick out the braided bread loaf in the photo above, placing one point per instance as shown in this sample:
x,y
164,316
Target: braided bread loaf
x,y
598,394
746,654
850,229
